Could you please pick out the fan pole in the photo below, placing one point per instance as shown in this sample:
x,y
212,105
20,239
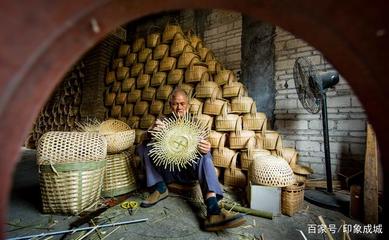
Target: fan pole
x,y
326,142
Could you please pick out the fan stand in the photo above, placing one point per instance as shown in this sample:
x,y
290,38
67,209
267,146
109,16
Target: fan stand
x,y
328,198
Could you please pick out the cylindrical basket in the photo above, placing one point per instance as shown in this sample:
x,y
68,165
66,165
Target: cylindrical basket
x,y
292,198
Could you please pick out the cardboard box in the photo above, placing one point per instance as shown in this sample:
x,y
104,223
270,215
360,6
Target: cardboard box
x,y
264,198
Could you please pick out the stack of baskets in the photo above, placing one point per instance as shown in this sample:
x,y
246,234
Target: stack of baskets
x,y
146,71
71,170
119,177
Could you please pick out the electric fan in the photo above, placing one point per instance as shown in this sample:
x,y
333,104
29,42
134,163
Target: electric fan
x,y
311,86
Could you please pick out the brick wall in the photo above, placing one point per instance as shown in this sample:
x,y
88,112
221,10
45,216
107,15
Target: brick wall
x,y
302,130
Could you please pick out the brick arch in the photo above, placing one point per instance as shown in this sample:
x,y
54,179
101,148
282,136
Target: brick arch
x,y
41,40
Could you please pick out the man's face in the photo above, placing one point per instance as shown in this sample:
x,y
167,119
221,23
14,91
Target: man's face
x,y
179,105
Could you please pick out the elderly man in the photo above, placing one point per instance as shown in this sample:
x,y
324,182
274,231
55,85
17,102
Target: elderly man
x,y
203,171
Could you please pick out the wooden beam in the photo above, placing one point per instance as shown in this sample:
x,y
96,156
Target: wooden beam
x,y
371,179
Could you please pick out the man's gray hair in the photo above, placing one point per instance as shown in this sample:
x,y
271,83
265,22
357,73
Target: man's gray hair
x,y
178,91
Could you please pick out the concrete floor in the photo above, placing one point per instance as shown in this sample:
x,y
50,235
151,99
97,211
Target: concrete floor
x,y
173,218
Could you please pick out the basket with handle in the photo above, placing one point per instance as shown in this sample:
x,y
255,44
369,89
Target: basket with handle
x,y
131,59
290,155
136,69
148,93
272,140
115,87
214,106
194,105
127,84
204,119
254,120
188,88
121,98
175,76
206,54
166,107
110,77
158,78
124,49
116,111
234,176
133,122
143,80
196,72
205,89
138,44
153,37
119,176
109,98
241,104
141,107
134,95
146,121
233,89
156,107
215,138
118,134
222,156
117,62
167,63
224,76
122,73
186,58
127,110
247,156
226,122
71,168
239,139
160,51
195,41
292,198
214,66
179,45
151,66
144,55
170,31
164,91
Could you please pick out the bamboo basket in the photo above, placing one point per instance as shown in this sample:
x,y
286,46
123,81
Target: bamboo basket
x,y
141,107
124,49
153,39
122,73
160,51
167,63
254,120
213,106
133,122
194,105
196,73
156,107
127,84
118,62
241,104
144,55
121,98
116,111
205,89
224,76
204,119
170,32
119,177
148,93
127,110
158,78
217,138
131,59
166,107
151,66
247,156
290,155
186,59
206,54
115,87
233,89
194,40
175,76
136,69
110,77
214,66
143,80
223,156
188,88
147,121
178,46
118,134
164,91
292,198
272,140
134,95
240,139
138,45
109,98
226,122
234,176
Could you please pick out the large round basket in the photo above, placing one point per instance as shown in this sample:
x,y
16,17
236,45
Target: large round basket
x,y
118,134
119,176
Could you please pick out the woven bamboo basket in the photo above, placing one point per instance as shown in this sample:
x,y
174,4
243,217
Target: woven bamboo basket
x,y
188,88
240,139
148,93
241,104
124,49
167,63
170,32
146,121
141,107
205,89
213,106
136,69
118,134
217,138
271,171
247,156
160,51
234,176
205,53
272,140
133,122
196,73
151,66
109,98
178,45
194,105
204,119
186,59
139,135
195,40
233,89
116,111
115,87
175,76
138,45
71,166
158,78
224,76
153,39
144,55
226,122
166,107
121,98
143,80
214,66
223,156
164,91
156,107
119,177
290,155
127,110
122,73
110,77
118,62
127,84
292,198
131,59
254,120
134,95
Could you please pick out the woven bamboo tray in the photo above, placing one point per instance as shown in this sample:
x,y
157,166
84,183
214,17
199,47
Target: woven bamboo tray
x,y
119,177
292,198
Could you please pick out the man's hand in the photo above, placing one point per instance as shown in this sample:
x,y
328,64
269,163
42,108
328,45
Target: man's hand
x,y
204,146
158,125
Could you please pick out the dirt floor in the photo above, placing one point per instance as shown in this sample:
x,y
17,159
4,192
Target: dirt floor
x,y
177,217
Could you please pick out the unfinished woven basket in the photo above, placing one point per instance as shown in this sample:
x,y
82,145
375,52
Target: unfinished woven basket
x,y
292,198
118,134
119,177
271,171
